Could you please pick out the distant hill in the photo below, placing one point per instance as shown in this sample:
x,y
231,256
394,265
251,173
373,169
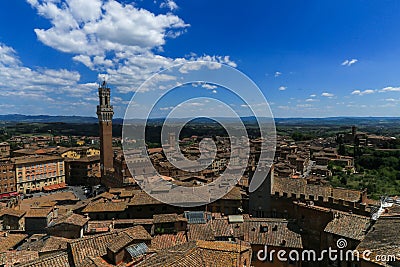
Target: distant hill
x,y
51,119
330,121
337,121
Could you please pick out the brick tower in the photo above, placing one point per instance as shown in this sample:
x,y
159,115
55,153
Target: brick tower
x,y
105,114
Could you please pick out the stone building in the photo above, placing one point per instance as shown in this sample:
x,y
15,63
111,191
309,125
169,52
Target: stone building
x,y
4,150
260,199
69,226
34,173
83,171
12,219
37,219
7,178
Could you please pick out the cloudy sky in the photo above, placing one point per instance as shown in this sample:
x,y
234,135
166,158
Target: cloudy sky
x,y
310,58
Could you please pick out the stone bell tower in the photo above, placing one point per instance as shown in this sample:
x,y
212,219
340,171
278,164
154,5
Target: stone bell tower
x,y
105,114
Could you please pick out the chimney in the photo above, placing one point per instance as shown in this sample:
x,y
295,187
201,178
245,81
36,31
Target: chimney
x,y
113,224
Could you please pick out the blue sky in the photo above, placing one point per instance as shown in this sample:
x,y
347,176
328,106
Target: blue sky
x,y
309,58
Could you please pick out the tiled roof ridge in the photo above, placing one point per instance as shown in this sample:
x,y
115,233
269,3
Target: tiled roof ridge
x,y
44,259
346,213
183,253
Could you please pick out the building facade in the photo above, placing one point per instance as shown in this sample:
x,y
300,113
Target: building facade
x,y
34,173
83,171
260,199
7,178
4,150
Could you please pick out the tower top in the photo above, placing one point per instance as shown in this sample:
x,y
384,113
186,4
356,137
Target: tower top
x,y
104,109
103,84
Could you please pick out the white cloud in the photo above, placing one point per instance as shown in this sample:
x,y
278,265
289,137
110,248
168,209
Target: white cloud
x,y
365,92
311,100
390,89
282,88
191,104
325,94
284,107
166,108
304,105
169,4
84,11
208,86
45,84
95,27
277,74
349,62
371,91
114,38
313,95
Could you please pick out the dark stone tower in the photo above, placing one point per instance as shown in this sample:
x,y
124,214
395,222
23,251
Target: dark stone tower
x,y
105,114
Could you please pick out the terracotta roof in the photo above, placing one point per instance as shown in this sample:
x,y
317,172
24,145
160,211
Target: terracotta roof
x,y
28,203
382,239
167,218
54,260
221,246
119,242
95,262
161,242
234,194
11,258
97,245
47,203
36,158
95,226
9,241
200,232
90,246
87,159
12,212
272,232
104,206
105,195
46,244
198,254
38,212
127,193
116,190
73,219
348,225
142,198
54,243
221,227
137,232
